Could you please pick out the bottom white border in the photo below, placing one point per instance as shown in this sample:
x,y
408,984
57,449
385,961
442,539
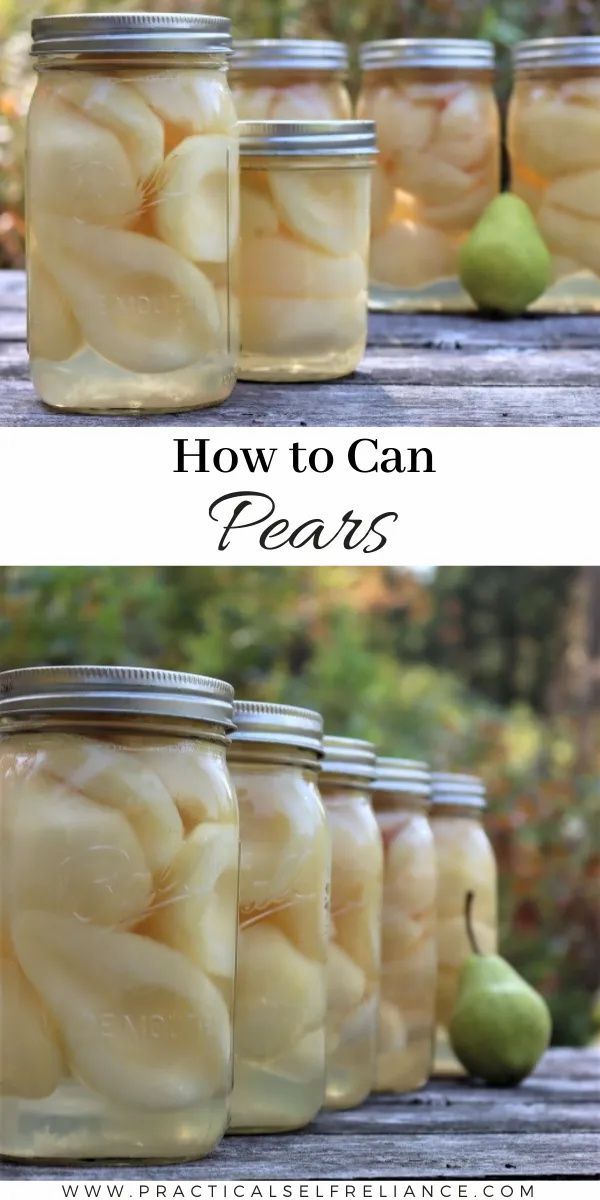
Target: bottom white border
x,y
422,1189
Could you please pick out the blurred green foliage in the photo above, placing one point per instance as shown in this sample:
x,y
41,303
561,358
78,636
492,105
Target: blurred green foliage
x,y
484,669
504,21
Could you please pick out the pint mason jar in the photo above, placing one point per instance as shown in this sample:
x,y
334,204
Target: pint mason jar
x,y
120,853
401,799
305,233
280,998
133,213
438,132
355,932
554,144
281,79
465,863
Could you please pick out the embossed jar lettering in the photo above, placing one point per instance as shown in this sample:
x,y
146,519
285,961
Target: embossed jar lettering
x,y
120,859
133,213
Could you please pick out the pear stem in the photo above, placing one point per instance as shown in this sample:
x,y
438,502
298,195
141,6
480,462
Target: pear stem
x,y
469,902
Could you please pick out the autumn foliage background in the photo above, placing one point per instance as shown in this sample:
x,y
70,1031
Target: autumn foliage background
x,y
493,670
504,21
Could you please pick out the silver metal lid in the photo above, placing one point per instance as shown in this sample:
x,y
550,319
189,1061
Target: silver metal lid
x,y
467,791
403,775
131,33
124,690
307,138
289,54
349,757
467,53
277,724
557,52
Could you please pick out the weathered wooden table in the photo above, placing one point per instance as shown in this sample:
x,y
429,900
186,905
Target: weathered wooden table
x,y
546,1128
419,370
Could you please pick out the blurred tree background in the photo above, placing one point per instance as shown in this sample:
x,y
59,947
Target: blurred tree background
x,y
494,670
504,21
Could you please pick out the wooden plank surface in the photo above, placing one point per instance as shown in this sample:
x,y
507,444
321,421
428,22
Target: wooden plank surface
x,y
546,1128
419,370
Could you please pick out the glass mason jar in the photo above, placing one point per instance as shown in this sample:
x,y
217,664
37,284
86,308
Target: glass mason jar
x,y
282,79
133,213
438,132
120,849
554,144
465,862
355,933
306,189
280,998
401,798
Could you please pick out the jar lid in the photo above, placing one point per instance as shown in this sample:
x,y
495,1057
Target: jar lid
x,y
466,790
125,690
467,53
131,33
403,775
300,54
307,138
557,52
350,757
277,724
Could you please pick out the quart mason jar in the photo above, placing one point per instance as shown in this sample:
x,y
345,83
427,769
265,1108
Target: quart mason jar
x,y
465,863
306,189
133,213
401,798
282,79
554,144
355,933
280,999
438,132
120,854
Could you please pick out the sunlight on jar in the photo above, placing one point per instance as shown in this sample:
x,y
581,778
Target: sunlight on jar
x,y
554,144
282,79
408,956
280,996
119,953
133,212
305,231
464,862
355,934
438,132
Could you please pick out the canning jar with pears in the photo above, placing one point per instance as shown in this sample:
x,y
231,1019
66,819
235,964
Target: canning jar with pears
x,y
465,862
438,133
401,798
305,193
554,145
290,79
133,211
280,998
120,858
355,932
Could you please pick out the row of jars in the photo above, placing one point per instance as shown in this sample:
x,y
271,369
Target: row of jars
x,y
139,298
439,141
126,795
147,268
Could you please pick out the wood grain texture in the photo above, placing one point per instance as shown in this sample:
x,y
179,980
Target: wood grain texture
x,y
419,370
546,1128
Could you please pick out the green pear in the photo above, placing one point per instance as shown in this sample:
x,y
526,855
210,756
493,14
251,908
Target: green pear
x,y
500,1026
504,263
